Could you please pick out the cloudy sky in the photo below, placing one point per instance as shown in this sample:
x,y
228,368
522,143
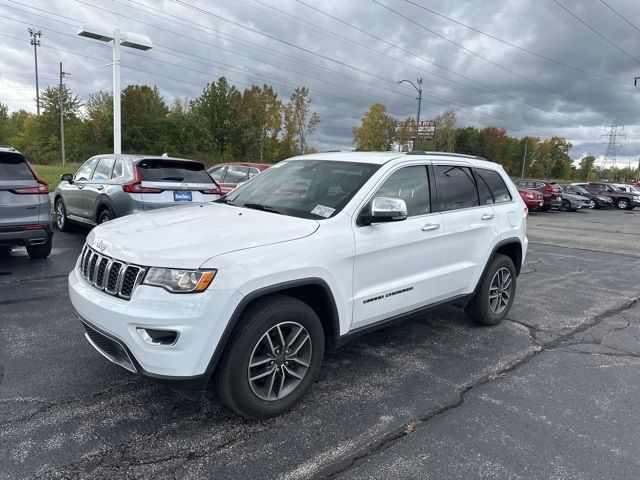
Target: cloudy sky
x,y
536,68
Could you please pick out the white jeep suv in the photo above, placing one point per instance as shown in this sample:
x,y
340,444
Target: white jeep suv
x,y
318,249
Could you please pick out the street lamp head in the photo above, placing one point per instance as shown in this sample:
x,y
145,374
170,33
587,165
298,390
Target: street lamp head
x,y
96,33
137,41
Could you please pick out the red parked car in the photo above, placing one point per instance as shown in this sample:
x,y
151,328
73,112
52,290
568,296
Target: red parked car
x,y
230,175
551,192
532,198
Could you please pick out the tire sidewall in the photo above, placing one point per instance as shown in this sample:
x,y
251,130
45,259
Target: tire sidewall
x,y
241,389
622,201
498,262
64,226
107,212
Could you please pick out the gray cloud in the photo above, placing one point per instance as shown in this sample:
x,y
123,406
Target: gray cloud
x,y
347,70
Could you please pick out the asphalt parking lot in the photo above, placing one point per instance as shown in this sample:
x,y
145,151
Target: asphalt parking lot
x,y
550,393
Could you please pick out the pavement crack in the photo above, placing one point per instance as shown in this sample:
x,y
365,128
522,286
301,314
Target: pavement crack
x,y
394,436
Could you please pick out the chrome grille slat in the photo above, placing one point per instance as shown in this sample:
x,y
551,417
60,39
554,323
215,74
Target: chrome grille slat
x,y
101,271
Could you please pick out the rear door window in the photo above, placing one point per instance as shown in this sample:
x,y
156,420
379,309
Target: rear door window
x,y
14,167
103,170
491,187
456,187
217,173
173,171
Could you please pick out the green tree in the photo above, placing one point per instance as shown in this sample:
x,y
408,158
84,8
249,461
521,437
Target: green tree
x,y
299,121
377,131
404,133
214,106
468,141
259,122
492,143
144,120
100,119
444,138
586,169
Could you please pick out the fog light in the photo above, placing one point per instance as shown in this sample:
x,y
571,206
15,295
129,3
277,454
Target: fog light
x,y
158,337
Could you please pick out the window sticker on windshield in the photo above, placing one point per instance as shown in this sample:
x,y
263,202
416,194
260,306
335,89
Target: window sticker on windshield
x,y
323,211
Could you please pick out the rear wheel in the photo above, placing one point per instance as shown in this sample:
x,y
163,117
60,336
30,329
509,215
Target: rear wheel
x,y
40,251
61,216
593,204
106,215
494,296
566,206
272,359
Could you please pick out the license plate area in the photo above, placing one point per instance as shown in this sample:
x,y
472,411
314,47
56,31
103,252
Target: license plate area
x,y
179,196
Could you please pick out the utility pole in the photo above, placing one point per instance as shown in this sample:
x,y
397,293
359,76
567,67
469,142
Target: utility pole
x,y
35,41
524,159
419,90
62,74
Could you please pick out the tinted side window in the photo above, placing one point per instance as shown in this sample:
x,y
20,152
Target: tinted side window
x,y
14,167
253,172
410,184
456,187
491,181
103,170
86,170
117,169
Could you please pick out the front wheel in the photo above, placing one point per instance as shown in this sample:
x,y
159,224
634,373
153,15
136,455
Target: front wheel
x,y
272,359
494,296
593,204
566,206
622,203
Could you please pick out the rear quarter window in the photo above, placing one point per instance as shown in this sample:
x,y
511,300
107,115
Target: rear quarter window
x,y
14,167
173,171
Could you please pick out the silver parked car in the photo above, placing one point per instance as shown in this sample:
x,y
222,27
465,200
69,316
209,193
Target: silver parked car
x,y
110,186
25,207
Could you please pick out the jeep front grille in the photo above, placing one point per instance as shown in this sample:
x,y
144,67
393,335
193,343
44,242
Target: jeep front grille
x,y
109,275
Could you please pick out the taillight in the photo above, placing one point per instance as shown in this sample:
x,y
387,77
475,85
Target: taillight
x,y
136,185
549,188
212,191
43,187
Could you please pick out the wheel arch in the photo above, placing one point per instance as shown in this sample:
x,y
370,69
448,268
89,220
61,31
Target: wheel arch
x,y
315,292
103,202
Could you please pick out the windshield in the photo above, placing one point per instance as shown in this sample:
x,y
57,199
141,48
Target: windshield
x,y
303,188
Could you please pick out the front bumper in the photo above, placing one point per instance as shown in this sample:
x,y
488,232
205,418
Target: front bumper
x,y
533,204
199,319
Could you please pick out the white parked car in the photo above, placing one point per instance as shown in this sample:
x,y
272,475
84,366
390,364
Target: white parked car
x,y
318,249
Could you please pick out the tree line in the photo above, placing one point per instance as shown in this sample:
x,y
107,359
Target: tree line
x,y
222,124
545,158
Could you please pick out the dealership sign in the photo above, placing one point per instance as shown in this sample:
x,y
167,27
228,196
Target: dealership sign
x,y
426,129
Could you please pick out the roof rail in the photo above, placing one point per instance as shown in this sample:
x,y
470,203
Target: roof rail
x,y
416,152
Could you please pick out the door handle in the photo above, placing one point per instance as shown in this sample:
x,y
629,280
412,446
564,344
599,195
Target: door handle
x,y
487,216
430,226
80,187
100,187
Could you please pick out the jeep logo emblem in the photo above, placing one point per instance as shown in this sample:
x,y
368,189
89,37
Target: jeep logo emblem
x,y
102,246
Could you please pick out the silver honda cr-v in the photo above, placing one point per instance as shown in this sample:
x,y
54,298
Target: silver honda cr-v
x,y
110,186
25,207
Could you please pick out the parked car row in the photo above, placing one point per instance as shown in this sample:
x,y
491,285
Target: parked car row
x,y
540,195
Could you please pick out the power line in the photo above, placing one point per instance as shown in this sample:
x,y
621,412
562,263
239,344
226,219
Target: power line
x,y
595,31
462,47
620,15
513,45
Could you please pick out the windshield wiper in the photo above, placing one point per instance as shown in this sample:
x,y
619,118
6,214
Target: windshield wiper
x,y
264,208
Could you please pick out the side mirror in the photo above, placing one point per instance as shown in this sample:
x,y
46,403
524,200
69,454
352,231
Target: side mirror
x,y
67,177
386,209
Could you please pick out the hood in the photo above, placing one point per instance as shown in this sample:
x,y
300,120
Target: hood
x,y
187,236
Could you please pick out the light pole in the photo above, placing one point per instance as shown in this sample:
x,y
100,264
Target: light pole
x,y
419,90
127,39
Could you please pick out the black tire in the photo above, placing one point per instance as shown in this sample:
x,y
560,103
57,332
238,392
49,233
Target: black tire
x,y
232,374
566,206
40,251
545,208
593,204
106,215
479,308
60,211
5,250
622,203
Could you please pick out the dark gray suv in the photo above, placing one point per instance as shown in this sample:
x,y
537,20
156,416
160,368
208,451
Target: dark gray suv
x,y
110,186
25,207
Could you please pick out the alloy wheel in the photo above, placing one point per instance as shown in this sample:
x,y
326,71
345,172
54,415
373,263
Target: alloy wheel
x,y
500,290
60,215
279,361
592,204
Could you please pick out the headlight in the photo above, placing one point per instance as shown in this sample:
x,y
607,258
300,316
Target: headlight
x,y
530,195
636,199
179,281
